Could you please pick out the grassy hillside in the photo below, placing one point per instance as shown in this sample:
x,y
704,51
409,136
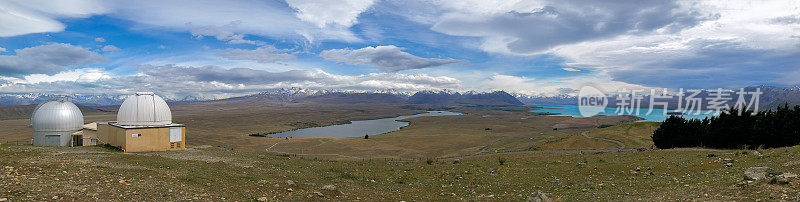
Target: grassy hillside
x,y
480,130
227,124
631,135
220,174
226,164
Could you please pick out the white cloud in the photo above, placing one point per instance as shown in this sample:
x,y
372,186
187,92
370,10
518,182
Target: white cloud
x,y
222,33
532,27
46,59
698,44
330,13
83,75
549,86
217,82
100,39
255,17
385,58
110,48
747,44
20,17
262,18
263,54
16,21
570,69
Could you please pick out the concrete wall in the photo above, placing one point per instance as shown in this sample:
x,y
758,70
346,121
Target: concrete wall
x,y
64,138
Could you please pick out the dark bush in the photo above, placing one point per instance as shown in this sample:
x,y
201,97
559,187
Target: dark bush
x,y
732,130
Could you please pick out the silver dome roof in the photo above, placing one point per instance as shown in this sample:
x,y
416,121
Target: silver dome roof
x,y
144,109
56,115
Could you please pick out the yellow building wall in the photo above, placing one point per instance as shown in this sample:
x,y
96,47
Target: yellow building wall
x,y
150,139
102,136
115,136
88,135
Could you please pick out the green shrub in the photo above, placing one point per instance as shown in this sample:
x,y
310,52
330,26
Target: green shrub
x,y
732,130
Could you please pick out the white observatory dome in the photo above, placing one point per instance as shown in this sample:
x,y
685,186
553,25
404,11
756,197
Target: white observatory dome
x,y
144,109
58,115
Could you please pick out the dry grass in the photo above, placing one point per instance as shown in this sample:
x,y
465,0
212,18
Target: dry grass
x,y
219,174
438,137
577,141
236,167
227,124
634,135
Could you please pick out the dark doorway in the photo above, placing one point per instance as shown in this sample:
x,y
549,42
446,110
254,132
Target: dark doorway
x,y
77,140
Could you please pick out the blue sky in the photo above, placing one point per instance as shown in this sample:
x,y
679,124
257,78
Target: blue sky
x,y
217,49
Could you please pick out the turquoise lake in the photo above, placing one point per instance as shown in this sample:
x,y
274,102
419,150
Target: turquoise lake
x,y
358,128
656,115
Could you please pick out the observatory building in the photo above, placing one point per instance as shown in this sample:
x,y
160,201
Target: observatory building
x,y
54,123
144,123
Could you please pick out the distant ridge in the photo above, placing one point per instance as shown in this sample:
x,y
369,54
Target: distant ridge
x,y
299,95
271,95
447,98
25,111
771,98
36,98
351,98
556,100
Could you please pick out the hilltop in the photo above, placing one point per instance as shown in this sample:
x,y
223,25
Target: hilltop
x,y
213,173
351,98
26,111
448,98
504,153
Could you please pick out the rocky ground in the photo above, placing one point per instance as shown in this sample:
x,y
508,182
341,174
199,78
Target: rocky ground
x,y
213,173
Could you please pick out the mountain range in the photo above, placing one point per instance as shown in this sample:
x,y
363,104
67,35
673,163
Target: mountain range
x,y
449,98
770,98
296,95
443,97
25,111
35,98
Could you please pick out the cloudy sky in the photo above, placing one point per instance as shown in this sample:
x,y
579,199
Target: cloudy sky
x,y
216,49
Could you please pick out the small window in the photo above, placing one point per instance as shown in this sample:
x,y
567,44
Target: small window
x,y
175,134
136,135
